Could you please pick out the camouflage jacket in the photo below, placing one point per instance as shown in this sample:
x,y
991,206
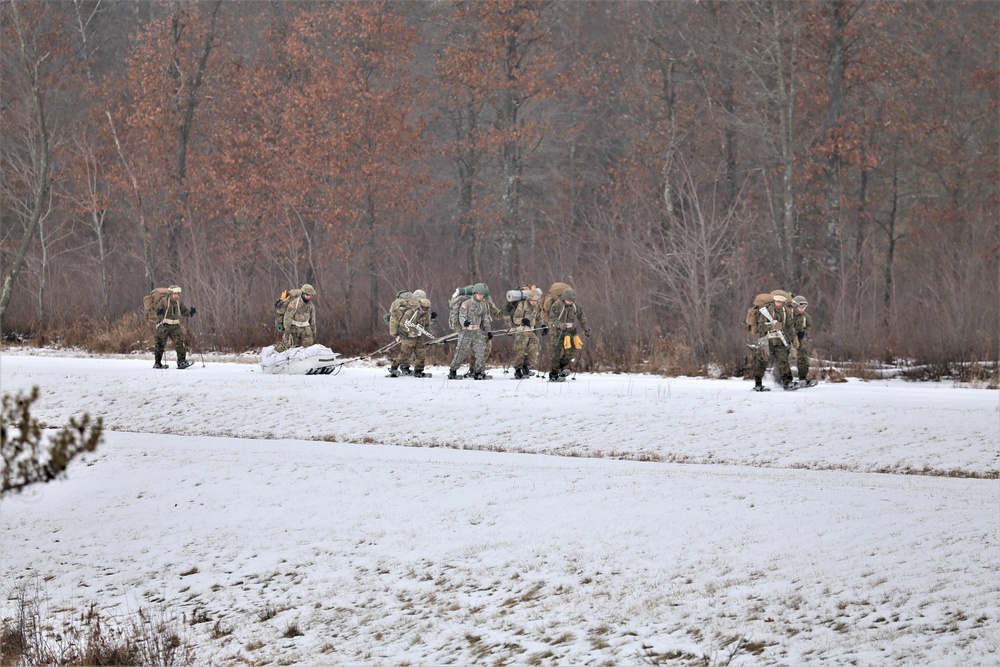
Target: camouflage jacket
x,y
171,310
803,323
413,314
783,322
479,314
300,313
525,310
564,317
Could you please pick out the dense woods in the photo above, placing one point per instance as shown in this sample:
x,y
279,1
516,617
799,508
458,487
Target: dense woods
x,y
670,159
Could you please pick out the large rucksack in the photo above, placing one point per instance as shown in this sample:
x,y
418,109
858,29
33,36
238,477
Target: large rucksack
x,y
281,305
759,302
387,316
149,303
453,307
460,296
555,293
514,296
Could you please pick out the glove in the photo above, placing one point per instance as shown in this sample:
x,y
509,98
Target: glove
x,y
434,316
545,330
466,323
489,335
160,312
801,335
192,310
587,332
525,321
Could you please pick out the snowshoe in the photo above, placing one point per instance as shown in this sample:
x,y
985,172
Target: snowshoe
x,y
452,375
481,376
421,374
184,364
518,374
393,373
789,386
160,365
565,372
805,384
557,377
760,387
405,370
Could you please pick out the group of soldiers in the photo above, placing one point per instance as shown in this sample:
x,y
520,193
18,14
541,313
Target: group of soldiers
x,y
472,315
779,323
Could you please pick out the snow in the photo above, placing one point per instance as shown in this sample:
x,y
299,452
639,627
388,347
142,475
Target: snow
x,y
610,519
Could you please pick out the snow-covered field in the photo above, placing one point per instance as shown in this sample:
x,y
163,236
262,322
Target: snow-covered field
x,y
608,520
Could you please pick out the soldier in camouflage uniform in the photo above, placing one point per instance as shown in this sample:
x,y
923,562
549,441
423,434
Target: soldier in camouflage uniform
x,y
405,300
170,309
300,321
563,318
775,342
495,314
412,341
474,316
526,344
802,342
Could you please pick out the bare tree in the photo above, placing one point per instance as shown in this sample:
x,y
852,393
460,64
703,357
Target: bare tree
x,y
30,205
687,248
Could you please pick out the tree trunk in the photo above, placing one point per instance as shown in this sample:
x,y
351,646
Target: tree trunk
x,y
40,163
372,266
177,220
834,111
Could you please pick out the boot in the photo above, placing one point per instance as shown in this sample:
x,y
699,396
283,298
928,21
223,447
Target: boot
x,y
518,374
158,364
393,372
405,370
760,387
526,372
184,363
419,373
556,377
452,375
479,376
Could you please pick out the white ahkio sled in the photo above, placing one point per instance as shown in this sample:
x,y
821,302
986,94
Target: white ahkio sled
x,y
312,360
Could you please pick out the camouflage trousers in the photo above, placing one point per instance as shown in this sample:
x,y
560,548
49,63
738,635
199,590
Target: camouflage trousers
x,y
802,353
415,347
174,333
776,353
474,342
561,356
295,337
526,348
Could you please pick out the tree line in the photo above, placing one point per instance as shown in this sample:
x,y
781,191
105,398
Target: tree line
x,y
669,159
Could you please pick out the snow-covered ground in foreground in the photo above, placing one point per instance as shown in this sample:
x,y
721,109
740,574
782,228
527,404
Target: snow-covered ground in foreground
x,y
611,519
